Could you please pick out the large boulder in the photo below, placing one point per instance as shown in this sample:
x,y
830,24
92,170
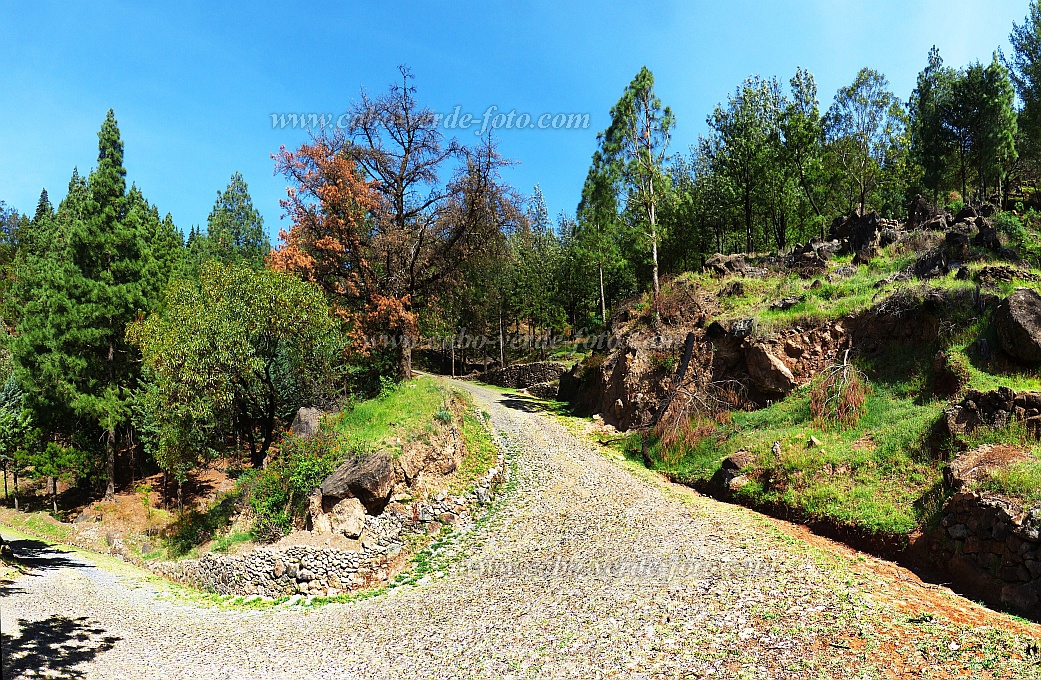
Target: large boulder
x,y
1017,322
367,478
919,212
768,373
721,265
306,421
348,518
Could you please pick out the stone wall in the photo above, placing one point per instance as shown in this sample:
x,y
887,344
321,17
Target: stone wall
x,y
321,571
520,376
276,573
997,408
545,390
995,547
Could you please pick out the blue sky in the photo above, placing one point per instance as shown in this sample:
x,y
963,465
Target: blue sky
x,y
194,85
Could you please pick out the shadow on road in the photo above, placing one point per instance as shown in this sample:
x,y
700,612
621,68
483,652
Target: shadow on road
x,y
37,555
519,402
53,647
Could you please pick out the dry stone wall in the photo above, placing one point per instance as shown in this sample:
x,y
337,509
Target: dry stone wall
x,y
520,376
321,571
996,544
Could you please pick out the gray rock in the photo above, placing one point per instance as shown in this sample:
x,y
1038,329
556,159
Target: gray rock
x,y
1017,322
306,421
369,479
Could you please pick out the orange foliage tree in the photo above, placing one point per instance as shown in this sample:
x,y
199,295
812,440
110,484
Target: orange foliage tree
x,y
373,225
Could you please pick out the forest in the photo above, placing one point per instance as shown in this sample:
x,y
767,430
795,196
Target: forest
x,y
131,346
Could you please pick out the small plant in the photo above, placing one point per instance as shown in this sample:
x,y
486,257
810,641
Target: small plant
x,y
387,386
663,361
838,396
144,492
443,416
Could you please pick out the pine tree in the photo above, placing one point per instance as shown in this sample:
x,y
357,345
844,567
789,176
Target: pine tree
x,y
930,139
85,286
235,229
599,234
636,141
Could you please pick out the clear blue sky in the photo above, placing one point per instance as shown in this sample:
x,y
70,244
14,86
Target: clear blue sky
x,y
194,84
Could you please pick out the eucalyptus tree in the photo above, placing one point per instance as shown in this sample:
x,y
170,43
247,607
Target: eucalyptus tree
x,y
637,140
866,125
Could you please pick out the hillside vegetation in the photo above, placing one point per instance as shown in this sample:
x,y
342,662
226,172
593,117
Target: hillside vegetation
x,y
869,456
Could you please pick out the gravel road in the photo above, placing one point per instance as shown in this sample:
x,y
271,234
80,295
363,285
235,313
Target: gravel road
x,y
586,568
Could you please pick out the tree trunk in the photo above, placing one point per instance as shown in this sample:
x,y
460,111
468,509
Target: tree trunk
x,y
452,342
110,464
7,496
654,244
16,489
748,220
405,365
502,345
603,301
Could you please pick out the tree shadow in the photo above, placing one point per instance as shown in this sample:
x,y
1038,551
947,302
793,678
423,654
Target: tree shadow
x,y
53,647
519,402
37,555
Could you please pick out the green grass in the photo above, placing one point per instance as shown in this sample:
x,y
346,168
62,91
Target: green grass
x,y
481,455
882,475
1019,481
225,542
876,475
395,417
38,524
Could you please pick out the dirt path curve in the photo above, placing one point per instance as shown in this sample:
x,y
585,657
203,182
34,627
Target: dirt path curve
x,y
586,569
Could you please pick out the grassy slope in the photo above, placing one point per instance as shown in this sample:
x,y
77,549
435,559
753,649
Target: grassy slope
x,y
410,411
392,419
876,476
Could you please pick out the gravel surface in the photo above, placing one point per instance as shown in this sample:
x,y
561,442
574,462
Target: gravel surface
x,y
585,568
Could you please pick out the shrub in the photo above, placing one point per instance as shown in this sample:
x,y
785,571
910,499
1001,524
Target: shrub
x,y
278,494
678,435
838,396
195,527
663,361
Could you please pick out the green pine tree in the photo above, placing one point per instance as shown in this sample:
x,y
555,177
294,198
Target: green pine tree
x,y
235,229
88,281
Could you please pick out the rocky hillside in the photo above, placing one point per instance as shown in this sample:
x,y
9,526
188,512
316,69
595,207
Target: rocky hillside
x,y
843,382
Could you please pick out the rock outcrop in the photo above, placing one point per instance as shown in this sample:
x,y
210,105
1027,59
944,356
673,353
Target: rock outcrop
x,y
768,372
723,265
858,233
307,421
369,478
1017,322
